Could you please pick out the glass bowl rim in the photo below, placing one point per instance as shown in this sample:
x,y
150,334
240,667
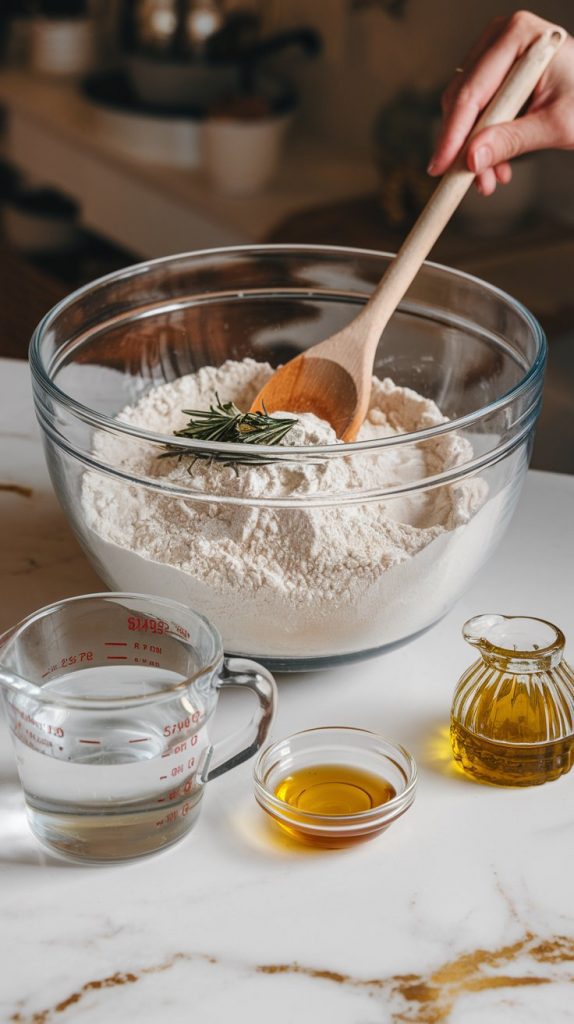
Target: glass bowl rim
x,y
110,423
406,796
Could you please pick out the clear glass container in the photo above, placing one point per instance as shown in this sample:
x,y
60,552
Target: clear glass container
x,y
110,700
348,785
470,348
512,719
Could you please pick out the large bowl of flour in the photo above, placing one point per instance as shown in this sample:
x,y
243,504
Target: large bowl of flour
x,y
313,551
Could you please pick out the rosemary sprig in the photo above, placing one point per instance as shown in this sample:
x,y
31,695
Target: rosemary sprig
x,y
223,421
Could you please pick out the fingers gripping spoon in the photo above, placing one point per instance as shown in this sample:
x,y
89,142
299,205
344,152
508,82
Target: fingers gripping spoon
x,y
333,378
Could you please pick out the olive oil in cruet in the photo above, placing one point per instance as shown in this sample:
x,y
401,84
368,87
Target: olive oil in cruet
x,y
512,719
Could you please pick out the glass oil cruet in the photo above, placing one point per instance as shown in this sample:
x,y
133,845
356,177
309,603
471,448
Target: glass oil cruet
x,y
512,718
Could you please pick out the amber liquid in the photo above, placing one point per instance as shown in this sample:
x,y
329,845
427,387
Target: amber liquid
x,y
510,764
333,790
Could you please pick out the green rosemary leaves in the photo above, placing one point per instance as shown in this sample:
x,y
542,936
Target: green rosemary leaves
x,y
223,421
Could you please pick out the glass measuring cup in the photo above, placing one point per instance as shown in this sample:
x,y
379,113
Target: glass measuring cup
x,y
109,699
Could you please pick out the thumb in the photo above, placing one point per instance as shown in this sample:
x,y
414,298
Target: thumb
x,y
502,142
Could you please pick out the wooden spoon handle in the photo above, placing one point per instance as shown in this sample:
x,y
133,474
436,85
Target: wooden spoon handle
x,y
504,106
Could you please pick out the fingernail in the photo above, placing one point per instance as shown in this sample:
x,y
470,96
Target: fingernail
x,y
482,159
431,167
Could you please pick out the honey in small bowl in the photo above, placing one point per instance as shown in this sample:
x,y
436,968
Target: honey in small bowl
x,y
334,789
331,790
335,786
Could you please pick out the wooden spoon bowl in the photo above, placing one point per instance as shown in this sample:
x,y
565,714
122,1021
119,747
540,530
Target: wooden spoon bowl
x,y
315,385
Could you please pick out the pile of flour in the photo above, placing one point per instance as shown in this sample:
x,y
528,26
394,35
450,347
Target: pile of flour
x,y
290,582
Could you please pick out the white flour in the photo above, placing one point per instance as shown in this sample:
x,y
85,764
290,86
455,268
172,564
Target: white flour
x,y
282,582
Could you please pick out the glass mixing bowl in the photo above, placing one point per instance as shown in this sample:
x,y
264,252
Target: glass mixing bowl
x,y
471,348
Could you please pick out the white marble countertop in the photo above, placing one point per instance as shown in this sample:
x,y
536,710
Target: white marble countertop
x,y
461,912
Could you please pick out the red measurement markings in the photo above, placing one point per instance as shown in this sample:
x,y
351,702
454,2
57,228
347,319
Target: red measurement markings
x,y
49,672
176,794
116,643
146,625
181,748
95,743
180,812
177,727
162,777
74,659
146,647
142,739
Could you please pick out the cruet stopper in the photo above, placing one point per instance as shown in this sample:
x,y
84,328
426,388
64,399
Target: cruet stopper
x,y
512,717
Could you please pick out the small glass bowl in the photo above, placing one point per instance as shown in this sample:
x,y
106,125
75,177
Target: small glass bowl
x,y
356,749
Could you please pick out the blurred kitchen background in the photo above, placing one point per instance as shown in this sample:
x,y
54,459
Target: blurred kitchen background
x,y
139,128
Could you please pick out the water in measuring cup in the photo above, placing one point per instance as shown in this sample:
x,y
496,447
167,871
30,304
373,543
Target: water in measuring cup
x,y
112,785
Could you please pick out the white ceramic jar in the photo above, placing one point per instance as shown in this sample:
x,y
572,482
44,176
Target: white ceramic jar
x,y
63,47
241,156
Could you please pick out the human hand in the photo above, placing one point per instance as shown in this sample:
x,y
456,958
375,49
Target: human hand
x,y
549,119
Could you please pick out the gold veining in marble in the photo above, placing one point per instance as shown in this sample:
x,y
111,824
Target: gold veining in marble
x,y
44,1015
431,999
412,998
119,978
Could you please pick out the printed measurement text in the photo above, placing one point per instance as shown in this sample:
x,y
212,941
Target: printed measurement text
x,y
174,727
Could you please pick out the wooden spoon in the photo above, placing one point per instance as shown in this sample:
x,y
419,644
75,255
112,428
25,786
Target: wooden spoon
x,y
333,378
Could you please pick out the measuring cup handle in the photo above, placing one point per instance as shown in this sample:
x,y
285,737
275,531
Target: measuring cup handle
x,y
245,673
